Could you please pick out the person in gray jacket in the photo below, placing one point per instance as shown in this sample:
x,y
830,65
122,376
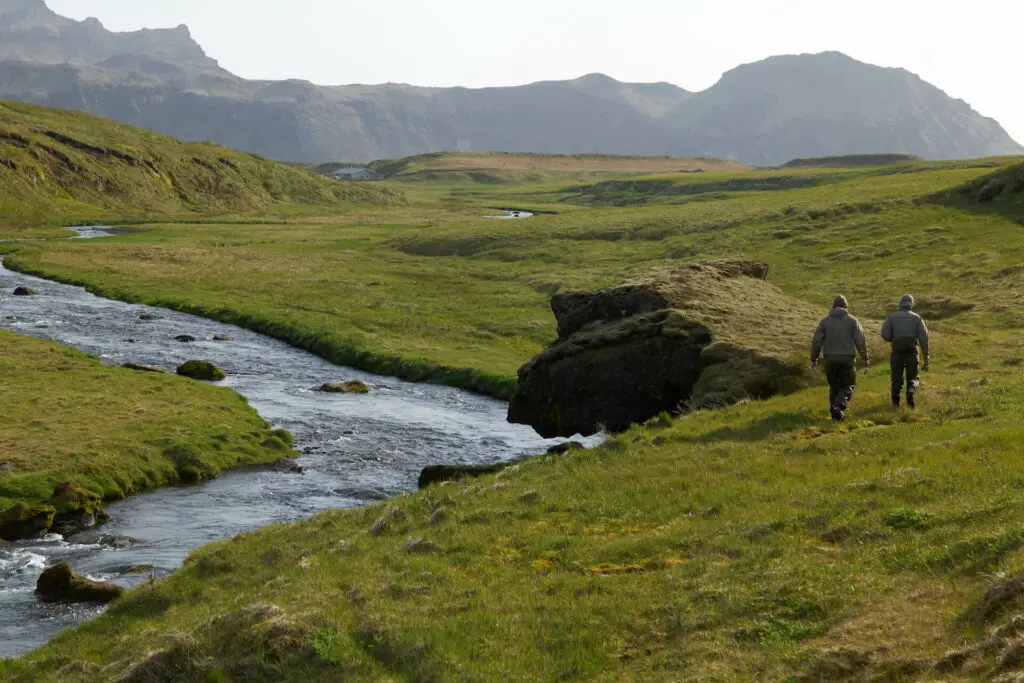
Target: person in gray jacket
x,y
841,337
906,331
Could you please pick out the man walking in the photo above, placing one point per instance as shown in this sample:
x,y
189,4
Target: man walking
x,y
906,331
840,336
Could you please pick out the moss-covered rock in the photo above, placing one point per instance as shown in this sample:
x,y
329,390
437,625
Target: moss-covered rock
x,y
679,338
355,387
24,291
26,521
201,370
62,585
76,508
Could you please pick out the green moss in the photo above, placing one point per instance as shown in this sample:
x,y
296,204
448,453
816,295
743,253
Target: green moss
x,y
356,387
201,370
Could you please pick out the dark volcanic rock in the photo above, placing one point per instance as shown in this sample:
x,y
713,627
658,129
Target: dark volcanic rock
x,y
576,310
185,338
611,376
435,474
61,584
24,291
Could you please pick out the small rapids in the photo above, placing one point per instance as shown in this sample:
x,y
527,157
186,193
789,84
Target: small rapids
x,y
357,449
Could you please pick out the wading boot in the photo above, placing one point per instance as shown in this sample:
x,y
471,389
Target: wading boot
x,y
837,414
911,402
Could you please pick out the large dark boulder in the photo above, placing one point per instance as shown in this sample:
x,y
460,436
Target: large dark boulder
x,y
24,291
611,376
681,338
62,585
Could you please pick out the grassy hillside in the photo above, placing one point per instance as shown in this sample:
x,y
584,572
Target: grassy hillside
x,y
58,166
759,542
851,161
113,431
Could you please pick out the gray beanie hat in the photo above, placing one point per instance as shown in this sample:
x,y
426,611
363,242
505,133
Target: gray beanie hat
x,y
907,302
840,302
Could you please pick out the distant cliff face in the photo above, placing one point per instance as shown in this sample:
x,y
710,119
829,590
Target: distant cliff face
x,y
764,113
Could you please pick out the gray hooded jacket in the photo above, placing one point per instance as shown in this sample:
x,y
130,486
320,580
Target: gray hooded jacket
x,y
840,335
906,330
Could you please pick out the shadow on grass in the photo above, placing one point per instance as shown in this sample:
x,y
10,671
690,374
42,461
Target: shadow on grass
x,y
779,423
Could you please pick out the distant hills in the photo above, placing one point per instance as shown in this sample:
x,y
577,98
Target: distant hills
x,y
764,113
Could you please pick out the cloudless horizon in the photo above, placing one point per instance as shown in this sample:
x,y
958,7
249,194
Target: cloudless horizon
x,y
689,43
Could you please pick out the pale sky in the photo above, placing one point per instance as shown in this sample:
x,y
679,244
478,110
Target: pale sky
x,y
969,49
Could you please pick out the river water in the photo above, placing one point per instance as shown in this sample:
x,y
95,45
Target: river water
x,y
357,449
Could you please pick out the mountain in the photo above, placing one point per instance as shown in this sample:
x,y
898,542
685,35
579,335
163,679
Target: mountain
x,y
764,113
829,104
31,31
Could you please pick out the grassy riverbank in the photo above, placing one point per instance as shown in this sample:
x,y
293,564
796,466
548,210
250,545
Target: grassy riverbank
x,y
759,542
68,418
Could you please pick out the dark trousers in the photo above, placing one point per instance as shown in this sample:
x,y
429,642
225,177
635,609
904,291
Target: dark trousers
x,y
904,364
842,380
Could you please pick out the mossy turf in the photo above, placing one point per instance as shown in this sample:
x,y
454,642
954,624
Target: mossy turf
x,y
112,431
756,542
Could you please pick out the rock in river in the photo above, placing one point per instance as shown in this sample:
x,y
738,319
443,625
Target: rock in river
x,y
185,338
24,291
77,509
683,337
201,370
346,388
22,522
61,584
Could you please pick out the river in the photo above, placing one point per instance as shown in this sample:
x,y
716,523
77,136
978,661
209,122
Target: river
x,y
357,449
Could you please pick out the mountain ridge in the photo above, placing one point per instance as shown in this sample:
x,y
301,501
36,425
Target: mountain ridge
x,y
763,113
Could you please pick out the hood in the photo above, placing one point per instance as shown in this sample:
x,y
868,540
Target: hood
x,y
839,313
907,303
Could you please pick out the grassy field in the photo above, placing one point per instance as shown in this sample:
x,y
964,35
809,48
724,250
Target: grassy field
x,y
759,542
67,417
60,167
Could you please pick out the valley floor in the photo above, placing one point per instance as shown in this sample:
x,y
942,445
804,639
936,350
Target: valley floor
x,y
758,542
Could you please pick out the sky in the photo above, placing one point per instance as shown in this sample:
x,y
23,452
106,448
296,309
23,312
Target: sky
x,y
970,50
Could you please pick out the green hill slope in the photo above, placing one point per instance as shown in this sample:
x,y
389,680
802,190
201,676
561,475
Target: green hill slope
x,y
57,165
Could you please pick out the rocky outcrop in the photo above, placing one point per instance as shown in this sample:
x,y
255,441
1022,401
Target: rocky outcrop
x,y
201,370
77,509
670,342
22,522
61,584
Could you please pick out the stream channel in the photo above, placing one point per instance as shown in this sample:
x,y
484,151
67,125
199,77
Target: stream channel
x,y
356,449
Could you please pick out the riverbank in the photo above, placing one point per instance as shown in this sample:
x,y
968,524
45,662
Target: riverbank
x,y
112,431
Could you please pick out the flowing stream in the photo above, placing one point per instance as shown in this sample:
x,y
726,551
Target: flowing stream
x,y
357,449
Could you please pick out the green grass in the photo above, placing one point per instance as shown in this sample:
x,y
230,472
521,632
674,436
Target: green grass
x,y
61,167
757,542
113,431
